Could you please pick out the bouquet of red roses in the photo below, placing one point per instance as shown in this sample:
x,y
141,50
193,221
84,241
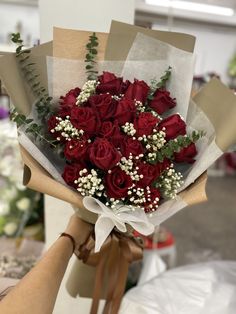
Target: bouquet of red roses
x,y
118,139
121,146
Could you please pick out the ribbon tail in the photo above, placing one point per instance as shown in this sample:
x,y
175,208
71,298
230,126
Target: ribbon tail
x,y
103,228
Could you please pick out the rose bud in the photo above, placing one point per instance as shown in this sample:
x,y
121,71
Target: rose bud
x,y
145,123
154,197
130,146
174,126
76,150
109,83
137,91
103,154
186,154
84,118
125,111
162,101
104,104
71,173
117,183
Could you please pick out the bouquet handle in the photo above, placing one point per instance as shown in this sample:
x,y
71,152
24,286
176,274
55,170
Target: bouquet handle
x,y
111,262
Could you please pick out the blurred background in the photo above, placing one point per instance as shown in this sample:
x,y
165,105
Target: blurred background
x,y
199,233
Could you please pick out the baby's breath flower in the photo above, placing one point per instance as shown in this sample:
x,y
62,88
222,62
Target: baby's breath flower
x,y
66,128
128,128
87,90
89,183
170,181
140,106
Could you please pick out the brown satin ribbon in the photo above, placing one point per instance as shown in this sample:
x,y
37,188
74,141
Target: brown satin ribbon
x,y
112,261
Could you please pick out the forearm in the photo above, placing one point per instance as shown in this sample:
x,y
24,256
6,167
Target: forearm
x,y
37,291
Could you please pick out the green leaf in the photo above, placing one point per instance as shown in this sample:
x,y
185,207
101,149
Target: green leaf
x,y
29,120
88,67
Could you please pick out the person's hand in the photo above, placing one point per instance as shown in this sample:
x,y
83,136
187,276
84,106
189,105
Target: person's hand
x,y
79,230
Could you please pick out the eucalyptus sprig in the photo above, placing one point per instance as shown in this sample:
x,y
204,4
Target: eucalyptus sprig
x,y
31,127
157,84
175,145
43,103
91,48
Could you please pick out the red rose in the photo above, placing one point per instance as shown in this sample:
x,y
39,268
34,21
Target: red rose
x,y
109,83
154,195
112,132
174,126
70,97
162,166
124,86
84,118
106,77
186,154
71,173
104,104
137,91
145,123
117,183
76,150
149,174
52,123
103,154
65,110
162,101
129,146
125,111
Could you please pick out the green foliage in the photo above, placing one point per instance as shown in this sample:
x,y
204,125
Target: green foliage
x,y
159,84
43,102
31,127
91,48
175,145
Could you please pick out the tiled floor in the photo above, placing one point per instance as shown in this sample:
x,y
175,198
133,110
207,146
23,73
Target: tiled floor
x,y
208,231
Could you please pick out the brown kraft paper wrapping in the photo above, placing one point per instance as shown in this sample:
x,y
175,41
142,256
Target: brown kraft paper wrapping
x,y
216,95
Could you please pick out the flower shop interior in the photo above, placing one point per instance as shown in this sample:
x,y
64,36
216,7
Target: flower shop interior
x,y
197,241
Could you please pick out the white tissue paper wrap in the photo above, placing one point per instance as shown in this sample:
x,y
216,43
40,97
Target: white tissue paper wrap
x,y
208,288
148,58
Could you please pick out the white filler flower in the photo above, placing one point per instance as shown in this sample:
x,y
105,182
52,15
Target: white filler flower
x,y
23,204
10,228
4,208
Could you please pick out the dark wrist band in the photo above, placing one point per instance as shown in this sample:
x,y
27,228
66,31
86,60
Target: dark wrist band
x,y
63,234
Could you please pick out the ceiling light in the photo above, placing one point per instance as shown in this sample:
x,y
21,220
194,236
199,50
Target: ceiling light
x,y
192,6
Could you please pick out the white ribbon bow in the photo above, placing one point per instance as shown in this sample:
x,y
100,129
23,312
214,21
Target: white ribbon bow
x,y
109,218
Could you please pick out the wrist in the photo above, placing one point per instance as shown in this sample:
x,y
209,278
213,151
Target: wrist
x,y
70,238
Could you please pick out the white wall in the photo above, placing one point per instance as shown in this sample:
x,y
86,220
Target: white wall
x,y
28,16
214,48
84,15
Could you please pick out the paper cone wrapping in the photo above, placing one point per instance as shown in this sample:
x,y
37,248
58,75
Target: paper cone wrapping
x,y
214,103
